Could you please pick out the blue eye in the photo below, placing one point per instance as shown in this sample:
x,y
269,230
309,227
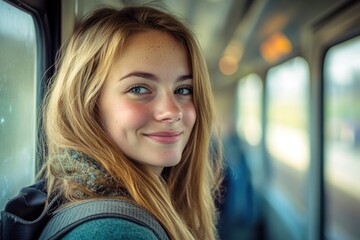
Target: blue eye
x,y
184,90
138,90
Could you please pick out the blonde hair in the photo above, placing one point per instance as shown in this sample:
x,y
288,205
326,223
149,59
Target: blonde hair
x,y
184,202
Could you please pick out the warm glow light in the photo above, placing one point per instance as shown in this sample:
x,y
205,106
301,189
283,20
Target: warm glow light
x,y
234,49
228,65
275,47
229,62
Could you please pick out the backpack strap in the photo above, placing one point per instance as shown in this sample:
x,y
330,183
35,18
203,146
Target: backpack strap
x,y
70,217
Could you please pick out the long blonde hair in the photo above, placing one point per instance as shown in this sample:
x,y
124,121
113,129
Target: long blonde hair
x,y
184,202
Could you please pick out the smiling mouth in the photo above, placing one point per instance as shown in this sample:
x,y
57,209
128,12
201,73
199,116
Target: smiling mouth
x,y
164,137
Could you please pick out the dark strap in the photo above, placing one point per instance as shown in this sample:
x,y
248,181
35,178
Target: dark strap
x,y
70,217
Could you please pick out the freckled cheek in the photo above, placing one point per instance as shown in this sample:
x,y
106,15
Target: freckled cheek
x,y
189,115
132,115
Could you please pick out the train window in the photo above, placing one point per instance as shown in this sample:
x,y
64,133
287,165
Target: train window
x,y
249,100
17,100
342,140
287,129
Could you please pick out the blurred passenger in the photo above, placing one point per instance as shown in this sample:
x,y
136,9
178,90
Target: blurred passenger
x,y
237,205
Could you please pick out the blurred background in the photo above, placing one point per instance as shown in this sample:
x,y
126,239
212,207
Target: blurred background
x,y
286,78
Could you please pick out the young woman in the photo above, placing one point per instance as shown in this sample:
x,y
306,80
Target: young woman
x,y
130,115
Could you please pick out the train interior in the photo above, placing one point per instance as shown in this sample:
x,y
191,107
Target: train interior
x,y
286,79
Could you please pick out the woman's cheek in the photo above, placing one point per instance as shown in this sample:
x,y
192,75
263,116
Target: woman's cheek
x,y
133,113
190,114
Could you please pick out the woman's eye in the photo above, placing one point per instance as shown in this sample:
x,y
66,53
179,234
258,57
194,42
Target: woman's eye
x,y
138,90
184,90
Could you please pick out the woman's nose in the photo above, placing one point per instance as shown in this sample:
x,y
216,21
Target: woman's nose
x,y
168,110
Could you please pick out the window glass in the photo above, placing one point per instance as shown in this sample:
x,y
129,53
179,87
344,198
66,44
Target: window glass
x,y
17,100
249,97
287,128
342,140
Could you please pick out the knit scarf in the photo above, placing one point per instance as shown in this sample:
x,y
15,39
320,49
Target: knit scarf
x,y
83,170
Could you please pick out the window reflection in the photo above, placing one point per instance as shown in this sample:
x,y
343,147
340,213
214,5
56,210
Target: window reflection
x,y
17,101
342,140
287,130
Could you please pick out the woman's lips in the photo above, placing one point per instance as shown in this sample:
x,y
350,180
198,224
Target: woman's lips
x,y
166,137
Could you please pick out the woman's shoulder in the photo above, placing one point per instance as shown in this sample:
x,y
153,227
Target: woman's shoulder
x,y
110,228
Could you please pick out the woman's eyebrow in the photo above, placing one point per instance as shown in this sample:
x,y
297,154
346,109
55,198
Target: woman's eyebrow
x,y
150,76
185,77
145,75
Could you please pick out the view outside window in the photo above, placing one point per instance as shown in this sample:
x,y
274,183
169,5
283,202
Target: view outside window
x,y
17,101
287,129
342,140
249,100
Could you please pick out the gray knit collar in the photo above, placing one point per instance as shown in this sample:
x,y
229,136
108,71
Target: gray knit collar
x,y
81,169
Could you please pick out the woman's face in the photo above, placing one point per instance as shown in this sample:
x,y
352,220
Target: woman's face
x,y
146,102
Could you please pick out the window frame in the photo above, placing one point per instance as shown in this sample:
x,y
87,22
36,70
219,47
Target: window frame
x,y
337,26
